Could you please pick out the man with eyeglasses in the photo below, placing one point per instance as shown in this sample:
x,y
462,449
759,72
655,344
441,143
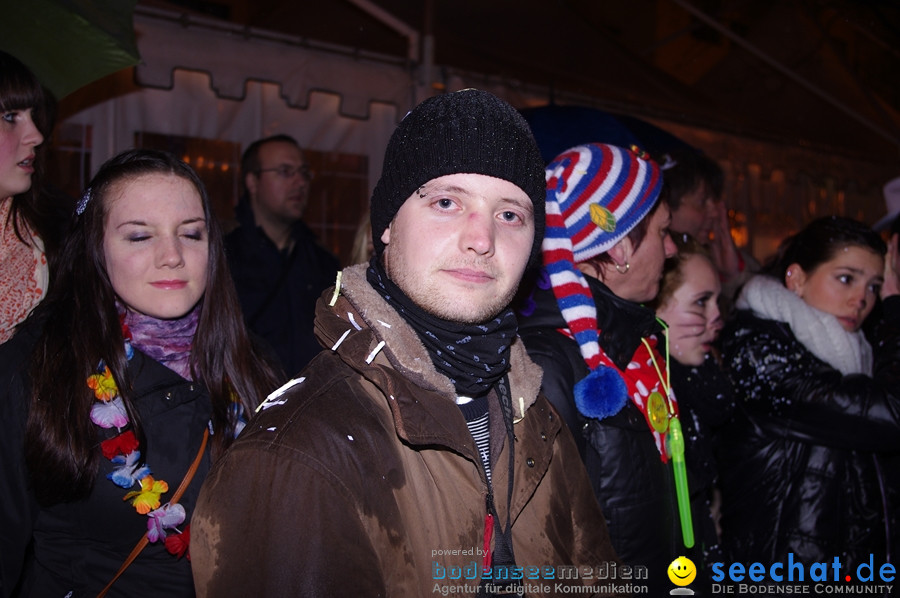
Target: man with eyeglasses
x,y
278,267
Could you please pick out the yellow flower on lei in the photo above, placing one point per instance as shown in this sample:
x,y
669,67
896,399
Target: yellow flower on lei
x,y
103,385
147,498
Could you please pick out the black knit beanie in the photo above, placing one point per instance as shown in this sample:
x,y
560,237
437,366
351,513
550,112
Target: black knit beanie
x,y
468,131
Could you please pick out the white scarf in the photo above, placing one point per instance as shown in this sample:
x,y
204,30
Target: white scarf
x,y
820,332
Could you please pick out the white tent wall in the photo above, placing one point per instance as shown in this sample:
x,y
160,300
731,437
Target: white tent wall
x,y
213,84
202,85
190,108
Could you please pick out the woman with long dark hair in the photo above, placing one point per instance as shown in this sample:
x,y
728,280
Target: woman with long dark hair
x,y
24,272
140,360
818,409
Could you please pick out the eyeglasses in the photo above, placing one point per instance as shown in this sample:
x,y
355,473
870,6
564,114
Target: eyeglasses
x,y
286,171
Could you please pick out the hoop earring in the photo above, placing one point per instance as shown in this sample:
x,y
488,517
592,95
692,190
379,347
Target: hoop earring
x,y
626,267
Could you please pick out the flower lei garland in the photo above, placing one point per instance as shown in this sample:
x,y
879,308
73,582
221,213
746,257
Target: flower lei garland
x,y
109,412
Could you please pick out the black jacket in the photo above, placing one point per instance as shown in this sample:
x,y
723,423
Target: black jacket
x,y
804,463
634,487
278,290
79,546
706,403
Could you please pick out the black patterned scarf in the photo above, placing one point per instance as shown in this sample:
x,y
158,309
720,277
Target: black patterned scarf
x,y
473,356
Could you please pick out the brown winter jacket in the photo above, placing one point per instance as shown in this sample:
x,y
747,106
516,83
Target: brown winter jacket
x,y
362,479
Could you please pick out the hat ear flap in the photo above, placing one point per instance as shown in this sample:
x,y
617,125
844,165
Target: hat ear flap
x,y
576,304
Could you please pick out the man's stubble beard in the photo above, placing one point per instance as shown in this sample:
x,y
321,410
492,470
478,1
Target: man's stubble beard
x,y
432,301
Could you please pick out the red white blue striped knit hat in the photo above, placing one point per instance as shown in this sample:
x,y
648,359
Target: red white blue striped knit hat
x,y
596,193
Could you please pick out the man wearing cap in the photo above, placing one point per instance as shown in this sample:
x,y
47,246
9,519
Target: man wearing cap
x,y
417,455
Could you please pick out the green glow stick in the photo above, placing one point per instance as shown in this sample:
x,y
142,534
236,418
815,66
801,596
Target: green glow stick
x,y
676,451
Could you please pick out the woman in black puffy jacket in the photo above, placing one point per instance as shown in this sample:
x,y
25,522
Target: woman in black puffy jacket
x,y
803,464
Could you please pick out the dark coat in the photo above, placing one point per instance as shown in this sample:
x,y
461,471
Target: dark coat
x,y
284,320
706,403
802,465
364,480
79,546
635,488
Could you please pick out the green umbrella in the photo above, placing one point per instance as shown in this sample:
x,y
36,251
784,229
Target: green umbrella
x,y
69,43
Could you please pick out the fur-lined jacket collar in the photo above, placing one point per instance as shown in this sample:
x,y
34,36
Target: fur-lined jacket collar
x,y
373,338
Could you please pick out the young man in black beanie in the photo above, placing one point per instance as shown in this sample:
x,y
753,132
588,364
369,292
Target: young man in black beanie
x,y
386,468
